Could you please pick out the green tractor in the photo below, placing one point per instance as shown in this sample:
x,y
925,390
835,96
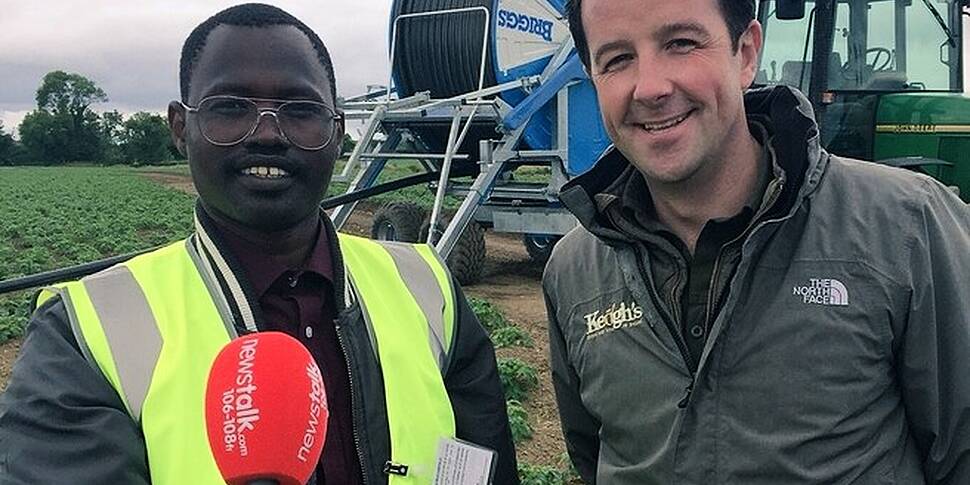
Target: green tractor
x,y
885,78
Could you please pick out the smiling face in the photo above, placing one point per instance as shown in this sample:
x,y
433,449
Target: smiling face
x,y
669,82
264,182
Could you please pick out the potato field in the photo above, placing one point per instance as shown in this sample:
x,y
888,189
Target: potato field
x,y
56,217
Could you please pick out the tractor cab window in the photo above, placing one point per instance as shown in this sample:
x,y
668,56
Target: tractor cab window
x,y
876,45
786,57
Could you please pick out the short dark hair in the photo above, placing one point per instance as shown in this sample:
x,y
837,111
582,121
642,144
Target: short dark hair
x,y
737,14
247,15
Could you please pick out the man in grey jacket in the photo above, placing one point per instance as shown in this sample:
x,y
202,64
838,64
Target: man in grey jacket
x,y
740,306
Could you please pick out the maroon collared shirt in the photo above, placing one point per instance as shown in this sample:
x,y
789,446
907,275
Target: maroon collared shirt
x,y
299,301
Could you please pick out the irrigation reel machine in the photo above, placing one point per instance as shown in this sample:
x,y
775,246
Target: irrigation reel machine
x,y
478,89
486,86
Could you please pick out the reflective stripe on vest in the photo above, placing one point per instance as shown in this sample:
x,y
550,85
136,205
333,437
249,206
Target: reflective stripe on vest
x,y
416,397
104,306
155,324
192,331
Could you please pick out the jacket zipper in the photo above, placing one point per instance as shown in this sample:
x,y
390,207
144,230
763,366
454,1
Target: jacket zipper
x,y
673,299
710,291
776,192
353,400
678,338
687,393
341,279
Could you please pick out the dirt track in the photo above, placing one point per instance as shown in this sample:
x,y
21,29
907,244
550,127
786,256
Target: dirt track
x,y
8,353
512,281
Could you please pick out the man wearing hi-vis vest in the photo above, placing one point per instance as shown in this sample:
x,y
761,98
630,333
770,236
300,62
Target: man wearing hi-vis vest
x,y
109,387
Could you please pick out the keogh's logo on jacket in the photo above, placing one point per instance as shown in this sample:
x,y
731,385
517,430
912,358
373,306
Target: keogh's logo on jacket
x,y
823,292
615,317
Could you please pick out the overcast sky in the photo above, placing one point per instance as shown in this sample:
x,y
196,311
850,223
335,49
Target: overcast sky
x,y
131,48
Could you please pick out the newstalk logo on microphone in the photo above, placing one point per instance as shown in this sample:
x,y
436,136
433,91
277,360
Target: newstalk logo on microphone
x,y
318,404
240,413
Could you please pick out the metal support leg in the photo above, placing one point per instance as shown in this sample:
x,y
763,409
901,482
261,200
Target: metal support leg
x,y
373,123
562,124
477,195
453,143
366,178
439,197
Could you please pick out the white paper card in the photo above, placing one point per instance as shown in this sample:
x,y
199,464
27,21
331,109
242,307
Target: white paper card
x,y
463,463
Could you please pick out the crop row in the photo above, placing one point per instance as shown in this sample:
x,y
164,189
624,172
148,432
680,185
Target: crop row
x,y
519,381
56,217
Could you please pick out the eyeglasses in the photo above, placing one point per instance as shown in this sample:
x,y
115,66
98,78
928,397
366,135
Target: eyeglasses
x,y
228,120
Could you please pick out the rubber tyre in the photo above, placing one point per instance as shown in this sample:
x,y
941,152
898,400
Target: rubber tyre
x,y
398,221
467,260
539,246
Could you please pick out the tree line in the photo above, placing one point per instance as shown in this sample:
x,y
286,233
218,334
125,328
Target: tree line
x,y
65,129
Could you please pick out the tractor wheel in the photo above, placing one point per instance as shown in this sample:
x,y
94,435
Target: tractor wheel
x,y
467,260
398,221
539,246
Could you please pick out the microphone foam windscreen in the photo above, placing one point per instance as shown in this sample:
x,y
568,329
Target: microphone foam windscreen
x,y
266,410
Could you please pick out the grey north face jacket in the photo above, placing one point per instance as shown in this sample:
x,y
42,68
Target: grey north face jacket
x,y
841,354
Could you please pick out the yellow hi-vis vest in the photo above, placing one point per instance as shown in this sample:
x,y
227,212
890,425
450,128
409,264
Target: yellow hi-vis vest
x,y
155,324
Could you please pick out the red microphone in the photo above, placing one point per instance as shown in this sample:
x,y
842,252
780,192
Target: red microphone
x,y
266,411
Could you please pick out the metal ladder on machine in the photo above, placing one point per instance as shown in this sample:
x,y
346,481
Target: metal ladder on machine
x,y
491,199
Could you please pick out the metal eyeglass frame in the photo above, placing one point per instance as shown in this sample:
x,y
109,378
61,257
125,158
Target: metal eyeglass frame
x,y
274,112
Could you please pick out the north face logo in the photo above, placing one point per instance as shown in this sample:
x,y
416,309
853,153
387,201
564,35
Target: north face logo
x,y
823,292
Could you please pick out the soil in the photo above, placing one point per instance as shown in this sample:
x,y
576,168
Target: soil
x,y
511,281
8,353
176,181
